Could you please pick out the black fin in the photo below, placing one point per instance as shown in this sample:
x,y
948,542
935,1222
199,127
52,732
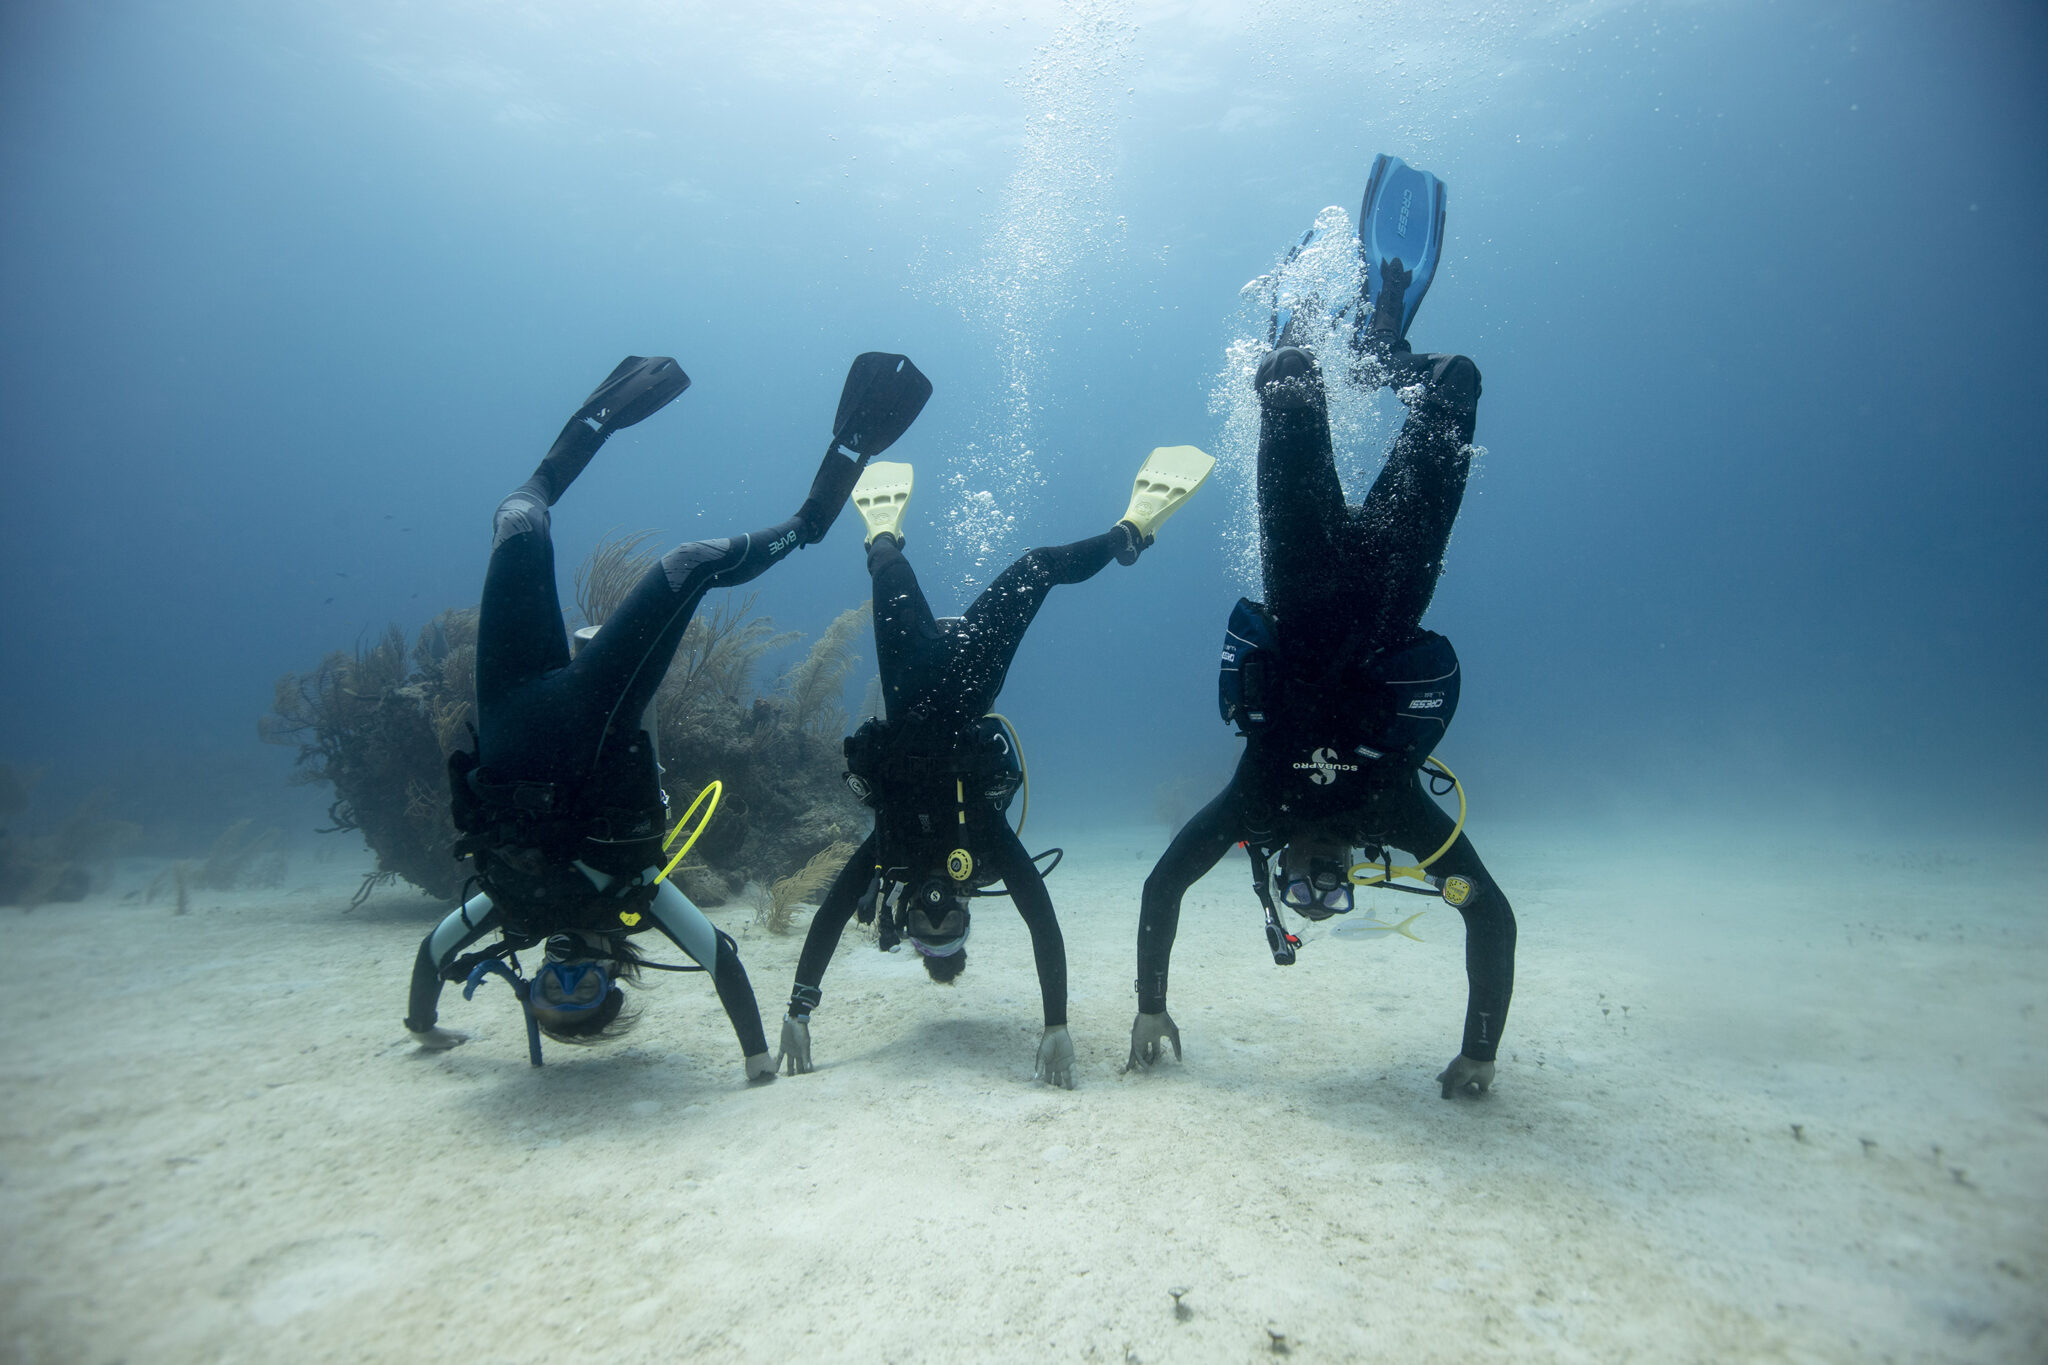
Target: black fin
x,y
883,395
640,387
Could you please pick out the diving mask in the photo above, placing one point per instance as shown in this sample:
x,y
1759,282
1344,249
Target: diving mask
x,y
569,987
1315,882
936,921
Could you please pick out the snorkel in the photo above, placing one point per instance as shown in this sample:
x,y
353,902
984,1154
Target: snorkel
x,y
566,993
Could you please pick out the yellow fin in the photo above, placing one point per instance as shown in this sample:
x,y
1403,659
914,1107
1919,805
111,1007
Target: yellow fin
x,y
1168,478
881,495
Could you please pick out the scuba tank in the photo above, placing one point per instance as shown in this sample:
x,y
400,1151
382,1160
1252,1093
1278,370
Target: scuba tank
x,y
1248,684
1393,705
931,788
526,838
882,757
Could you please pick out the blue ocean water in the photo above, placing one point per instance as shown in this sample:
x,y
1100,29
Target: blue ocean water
x,y
290,295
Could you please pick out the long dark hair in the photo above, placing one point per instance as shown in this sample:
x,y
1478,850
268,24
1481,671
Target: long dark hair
x,y
944,969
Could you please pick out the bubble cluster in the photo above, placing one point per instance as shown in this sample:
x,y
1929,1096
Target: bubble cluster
x,y
1317,285
1057,218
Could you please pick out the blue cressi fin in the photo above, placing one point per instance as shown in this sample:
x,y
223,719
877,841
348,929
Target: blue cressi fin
x,y
1401,223
1284,301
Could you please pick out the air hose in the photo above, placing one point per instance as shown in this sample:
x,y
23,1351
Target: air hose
x,y
1023,768
1385,872
712,793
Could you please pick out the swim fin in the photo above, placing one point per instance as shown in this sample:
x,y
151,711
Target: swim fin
x,y
1168,478
640,387
883,395
634,391
1293,307
1400,238
880,497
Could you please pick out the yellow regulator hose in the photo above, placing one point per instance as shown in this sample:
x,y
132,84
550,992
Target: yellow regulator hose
x,y
1382,873
711,793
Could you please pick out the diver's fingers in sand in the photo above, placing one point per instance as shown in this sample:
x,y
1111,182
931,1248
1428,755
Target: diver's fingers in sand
x,y
795,1048
1464,1076
1148,1033
1055,1058
440,1039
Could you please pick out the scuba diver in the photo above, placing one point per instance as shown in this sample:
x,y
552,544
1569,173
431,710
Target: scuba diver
x,y
939,772
560,806
1338,691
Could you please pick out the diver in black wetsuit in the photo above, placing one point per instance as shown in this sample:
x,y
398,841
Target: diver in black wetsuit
x,y
560,806
1333,753
940,773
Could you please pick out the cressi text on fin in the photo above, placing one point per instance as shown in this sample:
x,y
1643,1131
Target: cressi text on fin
x,y
1401,221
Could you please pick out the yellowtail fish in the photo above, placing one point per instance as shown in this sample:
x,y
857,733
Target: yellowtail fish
x,y
1356,927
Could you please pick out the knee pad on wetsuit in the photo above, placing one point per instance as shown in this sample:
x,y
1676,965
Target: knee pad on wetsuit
x,y
687,561
522,511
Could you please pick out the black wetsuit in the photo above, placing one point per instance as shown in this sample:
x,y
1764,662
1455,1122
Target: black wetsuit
x,y
1345,583
938,680
570,727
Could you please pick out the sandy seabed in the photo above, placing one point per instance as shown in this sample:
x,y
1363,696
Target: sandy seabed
x,y
1756,1104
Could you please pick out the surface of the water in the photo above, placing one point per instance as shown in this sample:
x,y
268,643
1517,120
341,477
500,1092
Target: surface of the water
x,y
291,295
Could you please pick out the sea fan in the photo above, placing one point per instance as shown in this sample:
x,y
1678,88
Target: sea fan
x,y
779,902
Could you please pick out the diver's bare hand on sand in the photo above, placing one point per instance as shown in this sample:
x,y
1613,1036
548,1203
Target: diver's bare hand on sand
x,y
1055,1058
439,1039
795,1048
1465,1077
1148,1033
